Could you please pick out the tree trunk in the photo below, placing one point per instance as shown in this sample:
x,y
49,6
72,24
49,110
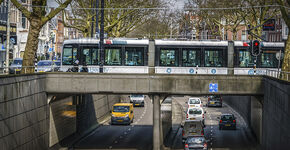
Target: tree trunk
x,y
286,61
31,46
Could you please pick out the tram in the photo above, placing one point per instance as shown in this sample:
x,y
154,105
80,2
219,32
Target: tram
x,y
170,56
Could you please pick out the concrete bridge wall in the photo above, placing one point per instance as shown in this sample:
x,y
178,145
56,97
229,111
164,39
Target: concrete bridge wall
x,y
276,114
24,115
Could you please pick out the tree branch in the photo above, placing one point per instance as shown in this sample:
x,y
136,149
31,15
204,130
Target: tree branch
x,y
56,11
24,11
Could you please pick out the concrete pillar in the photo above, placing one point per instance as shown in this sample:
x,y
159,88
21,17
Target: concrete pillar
x,y
156,122
151,57
231,57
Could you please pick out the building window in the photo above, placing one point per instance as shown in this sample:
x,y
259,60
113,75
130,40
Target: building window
x,y
244,35
168,57
23,21
113,56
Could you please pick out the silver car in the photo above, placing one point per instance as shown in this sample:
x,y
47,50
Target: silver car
x,y
16,66
45,66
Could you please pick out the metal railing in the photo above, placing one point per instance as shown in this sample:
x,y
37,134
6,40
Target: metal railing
x,y
278,74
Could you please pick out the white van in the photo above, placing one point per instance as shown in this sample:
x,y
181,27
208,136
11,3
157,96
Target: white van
x,y
192,128
137,99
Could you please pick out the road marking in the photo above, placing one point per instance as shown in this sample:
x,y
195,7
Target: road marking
x,y
211,127
116,141
125,133
210,130
110,147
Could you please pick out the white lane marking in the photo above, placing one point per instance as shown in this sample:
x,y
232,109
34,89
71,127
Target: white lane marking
x,y
110,147
116,141
211,127
210,130
125,133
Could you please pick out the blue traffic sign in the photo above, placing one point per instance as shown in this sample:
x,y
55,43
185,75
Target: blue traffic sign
x,y
191,71
213,71
213,87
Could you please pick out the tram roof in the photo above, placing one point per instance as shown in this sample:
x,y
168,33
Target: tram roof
x,y
263,44
191,43
108,41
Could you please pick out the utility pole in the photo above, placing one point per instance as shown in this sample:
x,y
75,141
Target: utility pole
x,y
102,37
8,36
92,24
97,19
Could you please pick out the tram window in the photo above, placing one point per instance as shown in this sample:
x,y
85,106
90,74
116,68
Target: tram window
x,y
134,56
67,56
75,54
113,57
95,56
86,56
168,58
190,58
213,58
245,59
268,59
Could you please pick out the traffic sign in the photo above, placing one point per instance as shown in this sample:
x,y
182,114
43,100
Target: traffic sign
x,y
213,87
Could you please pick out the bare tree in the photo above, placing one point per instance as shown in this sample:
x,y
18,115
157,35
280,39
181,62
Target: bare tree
x,y
120,19
37,18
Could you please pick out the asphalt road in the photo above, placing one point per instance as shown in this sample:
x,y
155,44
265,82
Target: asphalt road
x,y
239,139
139,134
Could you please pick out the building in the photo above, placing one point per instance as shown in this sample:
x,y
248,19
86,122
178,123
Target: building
x,y
3,32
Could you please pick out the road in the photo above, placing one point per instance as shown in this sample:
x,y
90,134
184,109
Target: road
x,y
240,139
139,134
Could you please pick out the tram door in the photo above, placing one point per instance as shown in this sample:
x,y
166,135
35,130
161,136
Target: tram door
x,y
89,55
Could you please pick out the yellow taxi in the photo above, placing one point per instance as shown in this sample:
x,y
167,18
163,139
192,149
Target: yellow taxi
x,y
122,113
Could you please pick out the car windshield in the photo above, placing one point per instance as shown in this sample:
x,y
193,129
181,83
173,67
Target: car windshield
x,y
44,63
137,95
196,140
195,111
194,101
121,109
57,63
17,62
227,117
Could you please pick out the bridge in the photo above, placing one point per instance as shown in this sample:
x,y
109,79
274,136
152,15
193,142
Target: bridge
x,y
146,84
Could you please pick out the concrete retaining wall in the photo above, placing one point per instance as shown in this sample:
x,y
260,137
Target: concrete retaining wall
x,y
276,114
24,113
166,116
94,109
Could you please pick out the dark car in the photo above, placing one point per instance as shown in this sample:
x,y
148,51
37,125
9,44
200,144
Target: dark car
x,y
227,121
16,66
215,100
195,143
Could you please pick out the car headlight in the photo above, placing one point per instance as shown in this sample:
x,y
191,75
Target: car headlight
x,y
127,116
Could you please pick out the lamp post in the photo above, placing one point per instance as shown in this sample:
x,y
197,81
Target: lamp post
x,y
102,37
8,36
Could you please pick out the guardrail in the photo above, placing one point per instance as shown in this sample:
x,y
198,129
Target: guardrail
x,y
278,74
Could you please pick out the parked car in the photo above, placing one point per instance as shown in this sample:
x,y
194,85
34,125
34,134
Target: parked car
x,y
16,66
215,100
227,121
137,99
195,142
45,66
194,102
122,113
192,128
195,113
57,65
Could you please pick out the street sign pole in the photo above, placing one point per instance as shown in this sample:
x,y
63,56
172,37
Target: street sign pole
x,y
8,36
